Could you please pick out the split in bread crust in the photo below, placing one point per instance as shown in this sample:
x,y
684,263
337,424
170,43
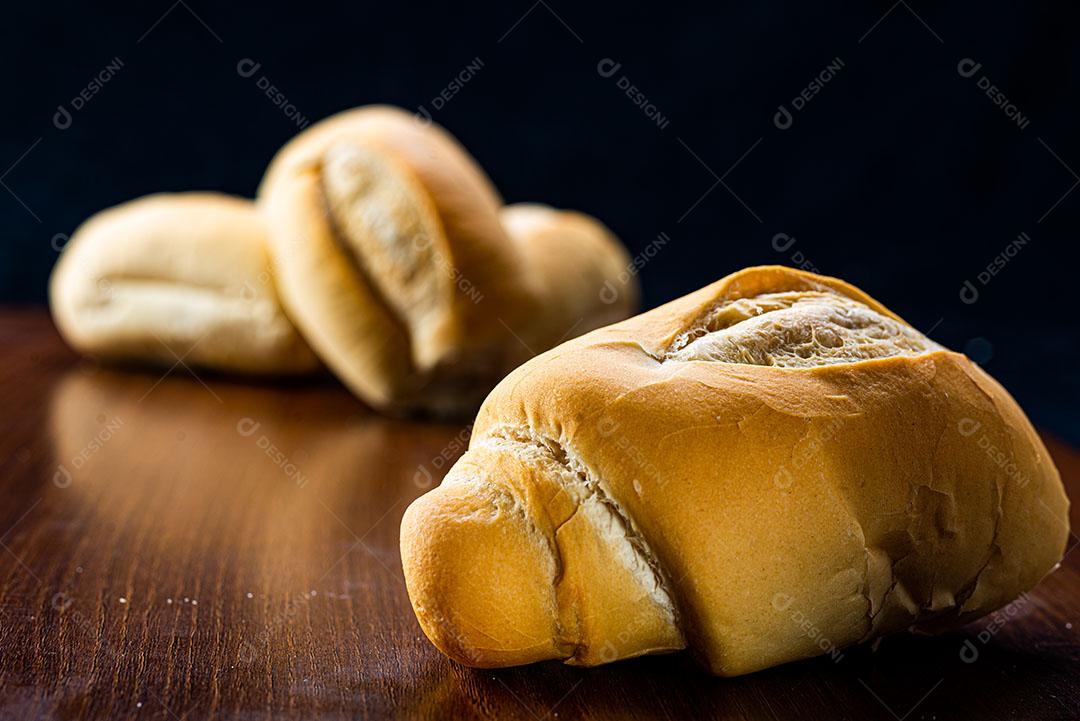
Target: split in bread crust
x,y
774,450
405,273
387,222
798,329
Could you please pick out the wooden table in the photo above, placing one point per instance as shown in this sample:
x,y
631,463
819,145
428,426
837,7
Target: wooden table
x,y
188,547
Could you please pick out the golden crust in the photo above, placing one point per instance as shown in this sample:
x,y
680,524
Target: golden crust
x,y
790,511
396,267
580,270
176,275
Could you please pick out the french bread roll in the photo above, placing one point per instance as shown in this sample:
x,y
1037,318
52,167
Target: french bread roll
x,y
396,267
578,268
176,276
773,453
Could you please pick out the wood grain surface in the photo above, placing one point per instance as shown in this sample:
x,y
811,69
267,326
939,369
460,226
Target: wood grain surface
x,y
182,547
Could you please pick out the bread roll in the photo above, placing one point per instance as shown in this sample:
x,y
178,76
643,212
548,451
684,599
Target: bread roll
x,y
767,469
579,268
395,266
176,276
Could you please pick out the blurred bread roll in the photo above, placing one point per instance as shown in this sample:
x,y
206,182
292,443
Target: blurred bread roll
x,y
574,261
176,276
396,261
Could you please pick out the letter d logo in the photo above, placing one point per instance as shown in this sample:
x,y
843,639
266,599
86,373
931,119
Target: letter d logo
x,y
781,601
967,67
607,67
422,477
968,426
968,292
62,118
247,426
247,67
782,119
61,601
246,654
781,242
609,293
62,477
606,426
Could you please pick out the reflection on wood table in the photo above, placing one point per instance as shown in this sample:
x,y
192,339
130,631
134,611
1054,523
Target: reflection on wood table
x,y
179,546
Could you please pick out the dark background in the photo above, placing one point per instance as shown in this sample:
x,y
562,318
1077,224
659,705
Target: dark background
x,y
900,176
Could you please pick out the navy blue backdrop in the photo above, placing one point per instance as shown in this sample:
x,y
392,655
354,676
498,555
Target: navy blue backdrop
x,y
925,153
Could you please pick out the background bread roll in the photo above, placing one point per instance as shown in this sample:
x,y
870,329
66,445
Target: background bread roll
x,y
395,265
176,276
574,262
774,447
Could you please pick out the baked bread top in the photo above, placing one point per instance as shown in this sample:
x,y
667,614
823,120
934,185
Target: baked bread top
x,y
176,275
397,268
775,443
